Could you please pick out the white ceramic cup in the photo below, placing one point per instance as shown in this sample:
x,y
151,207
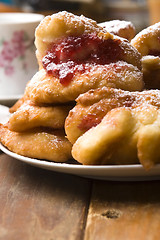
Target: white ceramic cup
x,y
18,62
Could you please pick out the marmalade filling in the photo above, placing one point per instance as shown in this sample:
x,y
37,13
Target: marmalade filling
x,y
78,54
89,121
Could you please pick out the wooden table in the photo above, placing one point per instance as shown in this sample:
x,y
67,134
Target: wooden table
x,y
37,204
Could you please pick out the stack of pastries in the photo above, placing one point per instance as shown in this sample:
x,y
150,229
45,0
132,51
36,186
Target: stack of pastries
x,y
87,101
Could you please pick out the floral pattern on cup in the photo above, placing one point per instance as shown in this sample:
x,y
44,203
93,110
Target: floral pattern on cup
x,y
15,48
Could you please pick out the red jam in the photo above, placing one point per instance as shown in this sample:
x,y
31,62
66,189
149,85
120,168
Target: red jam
x,y
89,121
78,54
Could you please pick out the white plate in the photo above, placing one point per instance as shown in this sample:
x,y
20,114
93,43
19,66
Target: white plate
x,y
9,101
118,172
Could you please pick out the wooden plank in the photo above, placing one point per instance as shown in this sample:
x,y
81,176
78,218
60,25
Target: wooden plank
x,y
124,210
37,204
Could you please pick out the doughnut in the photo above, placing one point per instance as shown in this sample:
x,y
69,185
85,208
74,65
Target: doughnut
x,y
73,50
128,133
151,71
44,88
147,42
92,106
38,143
120,28
29,115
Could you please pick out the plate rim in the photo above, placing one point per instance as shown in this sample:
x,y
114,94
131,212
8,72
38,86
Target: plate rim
x,y
105,172
11,97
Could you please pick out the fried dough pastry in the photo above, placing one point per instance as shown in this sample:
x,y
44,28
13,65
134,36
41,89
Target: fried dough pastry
x,y
44,88
38,143
147,41
92,106
65,36
121,138
128,133
29,115
120,28
60,25
151,72
75,55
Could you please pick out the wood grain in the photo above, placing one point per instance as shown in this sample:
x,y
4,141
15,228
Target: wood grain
x,y
124,210
37,204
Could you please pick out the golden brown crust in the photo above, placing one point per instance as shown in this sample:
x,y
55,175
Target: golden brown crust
x,y
18,104
44,88
30,116
118,96
38,143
